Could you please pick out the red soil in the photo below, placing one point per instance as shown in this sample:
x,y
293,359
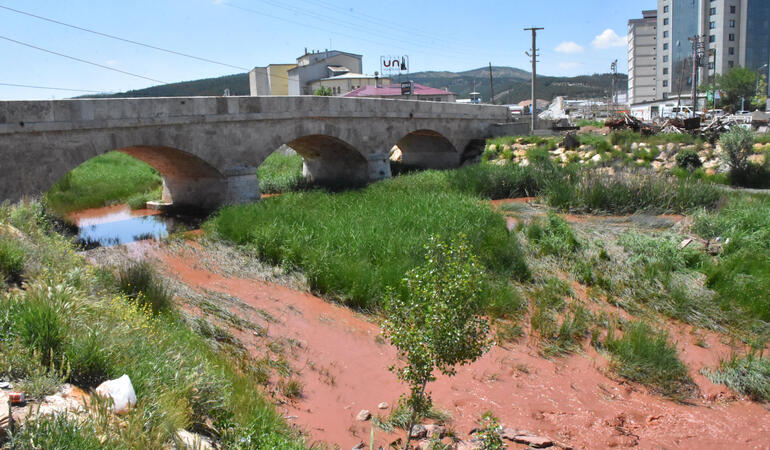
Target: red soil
x,y
573,399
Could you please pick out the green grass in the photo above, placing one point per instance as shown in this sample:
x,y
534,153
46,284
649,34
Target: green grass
x,y
281,173
71,324
352,245
644,355
110,178
749,375
12,257
139,282
741,274
553,235
590,123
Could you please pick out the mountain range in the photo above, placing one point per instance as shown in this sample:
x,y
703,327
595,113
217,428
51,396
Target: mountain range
x,y
511,85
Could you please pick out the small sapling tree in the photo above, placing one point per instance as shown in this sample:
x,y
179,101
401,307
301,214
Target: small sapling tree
x,y
434,320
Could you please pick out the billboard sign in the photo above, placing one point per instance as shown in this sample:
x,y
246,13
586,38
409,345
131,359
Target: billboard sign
x,y
394,65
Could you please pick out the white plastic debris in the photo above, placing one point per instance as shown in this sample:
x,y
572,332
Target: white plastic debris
x,y
121,391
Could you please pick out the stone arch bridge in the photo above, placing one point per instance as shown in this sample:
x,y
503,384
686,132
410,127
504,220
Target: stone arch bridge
x,y
208,148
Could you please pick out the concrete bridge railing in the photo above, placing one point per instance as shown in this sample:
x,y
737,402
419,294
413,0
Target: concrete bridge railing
x,y
208,148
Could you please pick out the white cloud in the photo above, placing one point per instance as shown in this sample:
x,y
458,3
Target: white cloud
x,y
569,65
569,47
608,39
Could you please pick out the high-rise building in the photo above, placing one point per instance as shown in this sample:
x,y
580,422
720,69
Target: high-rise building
x,y
642,47
733,33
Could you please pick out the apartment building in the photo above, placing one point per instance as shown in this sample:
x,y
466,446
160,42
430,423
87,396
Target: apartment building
x,y
642,64
734,33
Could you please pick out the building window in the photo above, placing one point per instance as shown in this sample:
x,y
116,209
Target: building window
x,y
665,34
665,83
665,71
712,25
732,10
730,64
712,11
665,9
731,37
665,46
665,58
711,65
712,38
731,51
665,21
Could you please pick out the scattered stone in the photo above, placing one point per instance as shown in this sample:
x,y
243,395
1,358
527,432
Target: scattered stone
x,y
360,446
419,432
383,405
121,391
596,158
670,147
468,445
757,159
526,437
364,415
506,148
192,441
501,162
524,162
436,431
492,147
635,146
657,165
396,155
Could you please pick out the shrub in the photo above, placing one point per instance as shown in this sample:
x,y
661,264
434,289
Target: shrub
x,y
554,235
749,375
688,159
644,355
12,257
141,284
737,145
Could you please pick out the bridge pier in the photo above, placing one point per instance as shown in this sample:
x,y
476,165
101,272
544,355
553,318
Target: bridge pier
x,y
379,166
241,186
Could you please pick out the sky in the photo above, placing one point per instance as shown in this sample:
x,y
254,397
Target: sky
x,y
580,37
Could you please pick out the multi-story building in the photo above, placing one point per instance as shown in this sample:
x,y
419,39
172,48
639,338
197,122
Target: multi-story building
x,y
733,33
642,46
317,65
270,80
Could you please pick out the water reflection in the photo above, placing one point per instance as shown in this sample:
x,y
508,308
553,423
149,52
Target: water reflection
x,y
116,225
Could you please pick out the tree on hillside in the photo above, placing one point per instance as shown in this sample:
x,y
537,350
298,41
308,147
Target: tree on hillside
x,y
737,83
434,319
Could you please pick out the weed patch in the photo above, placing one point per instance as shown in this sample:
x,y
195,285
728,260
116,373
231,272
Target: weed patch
x,y
749,375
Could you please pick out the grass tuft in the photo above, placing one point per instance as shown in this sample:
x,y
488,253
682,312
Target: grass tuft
x,y
142,285
749,375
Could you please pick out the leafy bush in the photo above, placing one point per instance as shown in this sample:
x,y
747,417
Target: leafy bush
x,y
644,355
141,284
688,159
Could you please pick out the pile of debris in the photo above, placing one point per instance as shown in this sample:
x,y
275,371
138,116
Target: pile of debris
x,y
626,121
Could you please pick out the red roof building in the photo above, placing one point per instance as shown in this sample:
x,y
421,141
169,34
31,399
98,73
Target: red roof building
x,y
419,92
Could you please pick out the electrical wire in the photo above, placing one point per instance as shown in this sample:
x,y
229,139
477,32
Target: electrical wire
x,y
50,88
81,60
118,38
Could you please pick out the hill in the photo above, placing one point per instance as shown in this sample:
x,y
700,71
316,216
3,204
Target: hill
x,y
511,85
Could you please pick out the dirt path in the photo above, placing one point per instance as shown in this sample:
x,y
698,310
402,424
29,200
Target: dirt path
x,y
574,399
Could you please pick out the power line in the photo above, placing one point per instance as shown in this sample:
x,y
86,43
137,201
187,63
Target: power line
x,y
51,88
118,38
81,60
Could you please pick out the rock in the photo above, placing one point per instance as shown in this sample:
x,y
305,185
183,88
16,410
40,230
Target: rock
x,y
492,147
524,162
657,165
520,153
710,172
635,146
436,431
192,441
670,147
364,415
501,162
121,391
559,151
596,158
757,159
395,154
526,437
68,399
617,147
5,414
506,148
642,145
360,446
468,445
419,432
640,161
383,405
5,385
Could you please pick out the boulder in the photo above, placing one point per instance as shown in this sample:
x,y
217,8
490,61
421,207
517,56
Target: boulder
x,y
670,147
419,432
635,146
120,391
192,441
506,148
360,446
524,162
757,159
492,147
363,415
570,142
527,438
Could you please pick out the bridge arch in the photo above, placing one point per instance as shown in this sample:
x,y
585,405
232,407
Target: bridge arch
x,y
427,149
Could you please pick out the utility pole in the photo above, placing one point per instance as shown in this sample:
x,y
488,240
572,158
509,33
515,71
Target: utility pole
x,y
697,59
533,56
614,70
491,86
